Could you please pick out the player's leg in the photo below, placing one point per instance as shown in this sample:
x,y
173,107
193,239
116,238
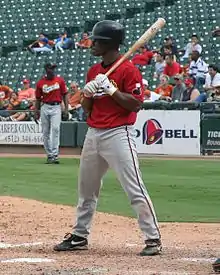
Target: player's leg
x,y
120,152
55,132
92,169
45,123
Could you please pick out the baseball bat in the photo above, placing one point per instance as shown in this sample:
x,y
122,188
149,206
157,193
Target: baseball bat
x,y
150,33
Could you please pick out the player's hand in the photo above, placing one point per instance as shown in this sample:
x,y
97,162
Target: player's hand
x,y
36,116
90,89
105,84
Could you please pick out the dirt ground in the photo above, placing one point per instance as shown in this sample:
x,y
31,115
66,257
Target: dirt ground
x,y
29,229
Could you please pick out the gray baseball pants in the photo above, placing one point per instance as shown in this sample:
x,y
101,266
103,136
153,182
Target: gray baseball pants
x,y
51,120
112,148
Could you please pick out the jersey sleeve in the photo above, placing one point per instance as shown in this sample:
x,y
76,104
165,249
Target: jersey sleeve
x,y
63,87
38,91
133,83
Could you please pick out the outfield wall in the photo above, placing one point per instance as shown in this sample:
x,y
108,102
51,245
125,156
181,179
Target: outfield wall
x,y
160,131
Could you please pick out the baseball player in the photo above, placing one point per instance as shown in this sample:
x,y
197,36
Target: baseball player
x,y
112,104
51,90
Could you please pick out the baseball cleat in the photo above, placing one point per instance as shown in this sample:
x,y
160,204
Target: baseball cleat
x,y
49,160
72,242
152,248
56,160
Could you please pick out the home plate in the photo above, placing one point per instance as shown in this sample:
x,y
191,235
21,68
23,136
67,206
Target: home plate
x,y
210,260
27,260
8,245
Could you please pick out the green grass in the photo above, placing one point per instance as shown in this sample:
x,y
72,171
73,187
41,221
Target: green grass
x,y
181,190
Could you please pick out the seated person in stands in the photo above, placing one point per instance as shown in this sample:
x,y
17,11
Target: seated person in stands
x,y
190,94
169,47
143,58
43,44
5,93
19,105
85,42
172,67
178,89
11,104
216,32
150,96
215,97
63,42
27,92
74,100
192,46
159,65
164,88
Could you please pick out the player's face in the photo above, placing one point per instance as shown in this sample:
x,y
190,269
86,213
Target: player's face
x,y
99,48
50,73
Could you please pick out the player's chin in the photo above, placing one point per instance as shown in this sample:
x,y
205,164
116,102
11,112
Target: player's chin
x,y
95,52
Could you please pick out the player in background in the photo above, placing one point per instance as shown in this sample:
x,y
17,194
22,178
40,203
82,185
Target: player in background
x,y
50,91
112,104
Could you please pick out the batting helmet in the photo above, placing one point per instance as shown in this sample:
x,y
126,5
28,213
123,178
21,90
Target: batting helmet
x,y
108,30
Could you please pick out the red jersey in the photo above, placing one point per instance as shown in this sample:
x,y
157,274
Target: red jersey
x,y
106,113
172,70
51,90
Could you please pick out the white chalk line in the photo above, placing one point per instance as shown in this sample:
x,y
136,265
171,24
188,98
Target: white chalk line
x,y
7,245
27,260
205,260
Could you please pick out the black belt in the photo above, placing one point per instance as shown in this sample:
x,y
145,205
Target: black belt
x,y
52,103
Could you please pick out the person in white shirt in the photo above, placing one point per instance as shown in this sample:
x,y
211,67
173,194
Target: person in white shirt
x,y
198,70
159,65
212,77
192,46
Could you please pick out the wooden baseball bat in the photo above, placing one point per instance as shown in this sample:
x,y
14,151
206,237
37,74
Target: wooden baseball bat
x,y
150,33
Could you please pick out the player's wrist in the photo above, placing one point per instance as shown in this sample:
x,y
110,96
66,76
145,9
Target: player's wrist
x,y
111,90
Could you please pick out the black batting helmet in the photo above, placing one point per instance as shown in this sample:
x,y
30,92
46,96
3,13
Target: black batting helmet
x,y
108,30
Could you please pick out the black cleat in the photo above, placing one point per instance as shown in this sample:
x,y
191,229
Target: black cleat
x,y
49,160
72,242
56,160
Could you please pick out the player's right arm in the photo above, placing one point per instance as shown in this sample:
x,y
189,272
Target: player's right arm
x,y
38,94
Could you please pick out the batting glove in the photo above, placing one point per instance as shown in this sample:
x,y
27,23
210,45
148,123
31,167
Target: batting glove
x,y
90,89
105,84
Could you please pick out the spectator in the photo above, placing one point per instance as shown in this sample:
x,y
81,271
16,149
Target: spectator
x,y
198,70
43,44
216,32
63,42
13,104
185,68
172,67
192,46
27,93
164,88
216,92
143,58
169,47
159,65
191,93
85,42
74,100
10,104
178,89
212,78
5,93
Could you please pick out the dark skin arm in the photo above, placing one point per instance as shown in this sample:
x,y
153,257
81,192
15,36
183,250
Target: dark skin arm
x,y
87,104
127,101
65,101
37,109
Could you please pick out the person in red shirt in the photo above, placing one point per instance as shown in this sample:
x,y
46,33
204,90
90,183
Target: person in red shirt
x,y
144,58
50,91
112,104
171,68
